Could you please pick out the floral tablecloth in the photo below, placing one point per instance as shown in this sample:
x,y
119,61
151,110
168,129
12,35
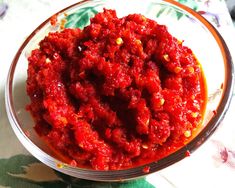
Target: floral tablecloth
x,y
212,165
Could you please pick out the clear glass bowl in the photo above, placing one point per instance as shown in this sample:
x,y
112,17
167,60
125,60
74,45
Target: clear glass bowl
x,y
182,22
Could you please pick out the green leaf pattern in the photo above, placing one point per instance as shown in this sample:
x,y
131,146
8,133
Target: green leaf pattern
x,y
81,18
13,169
174,12
13,173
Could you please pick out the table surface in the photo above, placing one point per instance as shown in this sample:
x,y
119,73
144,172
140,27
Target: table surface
x,y
212,165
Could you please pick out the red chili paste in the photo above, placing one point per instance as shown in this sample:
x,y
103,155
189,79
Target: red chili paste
x,y
121,92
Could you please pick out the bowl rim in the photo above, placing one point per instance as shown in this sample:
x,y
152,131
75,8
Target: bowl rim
x,y
126,174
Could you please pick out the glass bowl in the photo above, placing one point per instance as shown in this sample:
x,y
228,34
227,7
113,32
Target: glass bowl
x,y
182,22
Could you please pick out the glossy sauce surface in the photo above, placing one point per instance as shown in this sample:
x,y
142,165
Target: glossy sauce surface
x,y
120,93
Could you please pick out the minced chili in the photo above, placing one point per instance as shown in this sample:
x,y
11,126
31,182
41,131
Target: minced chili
x,y
120,93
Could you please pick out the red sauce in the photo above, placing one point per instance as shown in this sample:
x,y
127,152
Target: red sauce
x,y
120,93
146,169
53,20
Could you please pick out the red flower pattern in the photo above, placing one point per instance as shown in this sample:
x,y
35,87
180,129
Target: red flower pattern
x,y
224,154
